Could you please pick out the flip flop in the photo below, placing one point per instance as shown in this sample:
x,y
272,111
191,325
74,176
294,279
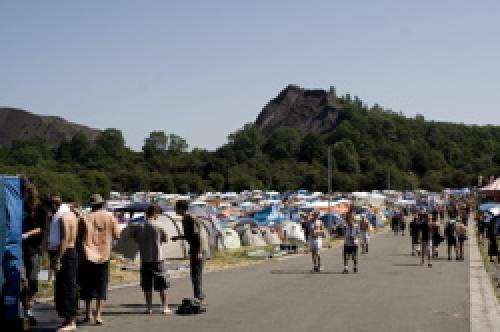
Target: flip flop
x,y
66,328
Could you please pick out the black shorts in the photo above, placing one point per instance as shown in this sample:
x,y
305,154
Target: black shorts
x,y
154,275
452,241
350,251
31,269
93,279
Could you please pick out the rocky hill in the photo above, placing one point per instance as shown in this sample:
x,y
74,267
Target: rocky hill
x,y
17,124
307,110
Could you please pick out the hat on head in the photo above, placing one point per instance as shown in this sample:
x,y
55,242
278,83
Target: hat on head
x,y
96,199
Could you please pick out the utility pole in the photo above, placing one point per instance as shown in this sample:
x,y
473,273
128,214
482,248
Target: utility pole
x,y
329,185
389,179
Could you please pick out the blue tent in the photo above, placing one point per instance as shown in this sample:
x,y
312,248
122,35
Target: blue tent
x,y
11,220
487,206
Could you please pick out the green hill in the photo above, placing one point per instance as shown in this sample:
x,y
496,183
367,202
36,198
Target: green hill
x,y
285,149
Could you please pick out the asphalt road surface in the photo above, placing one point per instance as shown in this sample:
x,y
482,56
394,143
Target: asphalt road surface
x,y
391,292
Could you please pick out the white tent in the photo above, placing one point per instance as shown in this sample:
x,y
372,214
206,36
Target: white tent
x,y
293,231
231,239
270,236
252,238
127,246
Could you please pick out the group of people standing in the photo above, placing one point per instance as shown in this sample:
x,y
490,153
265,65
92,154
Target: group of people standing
x,y
429,230
79,251
356,233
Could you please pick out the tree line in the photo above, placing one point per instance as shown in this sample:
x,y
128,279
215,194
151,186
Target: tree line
x,y
372,148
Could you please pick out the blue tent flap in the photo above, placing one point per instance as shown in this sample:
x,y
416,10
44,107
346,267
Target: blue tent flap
x,y
11,219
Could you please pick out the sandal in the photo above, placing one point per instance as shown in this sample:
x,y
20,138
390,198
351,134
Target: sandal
x,y
64,328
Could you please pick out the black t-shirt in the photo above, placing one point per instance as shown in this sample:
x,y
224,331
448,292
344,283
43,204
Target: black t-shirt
x,y
426,231
34,218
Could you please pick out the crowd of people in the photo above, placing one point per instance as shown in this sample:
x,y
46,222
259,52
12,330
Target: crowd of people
x,y
78,246
427,230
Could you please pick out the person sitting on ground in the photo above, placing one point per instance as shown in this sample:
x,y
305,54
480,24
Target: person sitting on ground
x,y
150,236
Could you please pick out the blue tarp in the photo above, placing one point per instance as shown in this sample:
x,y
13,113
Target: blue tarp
x,y
11,220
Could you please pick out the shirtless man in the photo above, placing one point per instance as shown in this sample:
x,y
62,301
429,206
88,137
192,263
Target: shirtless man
x,y
67,263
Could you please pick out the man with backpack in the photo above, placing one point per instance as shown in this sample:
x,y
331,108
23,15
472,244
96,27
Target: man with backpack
x,y
451,238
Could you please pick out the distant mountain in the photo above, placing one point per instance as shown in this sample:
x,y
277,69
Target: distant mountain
x,y
294,107
17,124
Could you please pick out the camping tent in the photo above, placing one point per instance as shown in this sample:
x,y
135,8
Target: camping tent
x,y
231,239
492,190
293,231
11,220
270,235
212,227
127,247
252,238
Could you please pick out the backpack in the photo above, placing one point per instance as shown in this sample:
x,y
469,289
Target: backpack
x,y
190,307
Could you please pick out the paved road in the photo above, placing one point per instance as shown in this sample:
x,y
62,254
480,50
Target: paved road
x,y
391,292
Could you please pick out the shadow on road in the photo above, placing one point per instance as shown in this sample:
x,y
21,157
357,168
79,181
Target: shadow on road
x,y
406,264
303,272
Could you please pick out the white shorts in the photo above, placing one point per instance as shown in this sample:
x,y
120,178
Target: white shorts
x,y
315,243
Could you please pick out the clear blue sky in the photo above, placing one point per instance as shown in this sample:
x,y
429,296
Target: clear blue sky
x,y
201,69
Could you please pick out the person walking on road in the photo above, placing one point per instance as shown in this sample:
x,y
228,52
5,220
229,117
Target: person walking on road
x,y
425,238
97,231
150,236
34,224
364,228
193,235
351,242
436,237
317,232
415,236
396,220
461,231
451,237
62,235
492,239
